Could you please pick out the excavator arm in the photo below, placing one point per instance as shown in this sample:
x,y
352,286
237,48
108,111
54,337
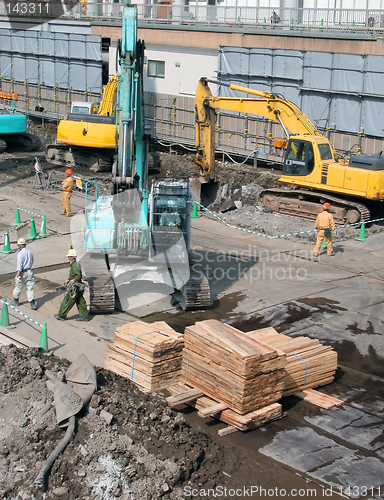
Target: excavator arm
x,y
266,104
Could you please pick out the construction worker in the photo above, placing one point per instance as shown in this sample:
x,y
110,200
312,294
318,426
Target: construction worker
x,y
74,293
67,193
24,275
324,225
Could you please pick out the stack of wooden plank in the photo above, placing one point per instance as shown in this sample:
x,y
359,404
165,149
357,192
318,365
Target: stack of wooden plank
x,y
231,367
309,363
148,354
206,407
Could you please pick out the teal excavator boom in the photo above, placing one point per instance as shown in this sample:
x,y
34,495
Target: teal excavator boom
x,y
140,237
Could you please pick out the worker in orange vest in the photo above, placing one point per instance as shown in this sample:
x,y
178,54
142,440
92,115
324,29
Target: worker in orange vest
x,y
324,225
67,192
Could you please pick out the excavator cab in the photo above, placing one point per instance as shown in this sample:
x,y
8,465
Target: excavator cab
x,y
299,158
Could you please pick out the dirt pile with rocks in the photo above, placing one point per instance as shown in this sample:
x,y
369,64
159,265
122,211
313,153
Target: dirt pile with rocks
x,y
146,452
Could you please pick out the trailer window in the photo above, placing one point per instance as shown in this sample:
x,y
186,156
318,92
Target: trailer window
x,y
156,68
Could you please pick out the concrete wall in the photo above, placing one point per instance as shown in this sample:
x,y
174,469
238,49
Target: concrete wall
x,y
347,44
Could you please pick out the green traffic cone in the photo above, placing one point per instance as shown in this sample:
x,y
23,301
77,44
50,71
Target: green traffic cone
x,y
362,233
17,217
7,246
44,339
33,235
5,318
43,232
194,211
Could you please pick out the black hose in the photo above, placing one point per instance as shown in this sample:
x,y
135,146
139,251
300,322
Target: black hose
x,y
40,480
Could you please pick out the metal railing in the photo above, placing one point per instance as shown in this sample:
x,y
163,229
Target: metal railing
x,y
369,21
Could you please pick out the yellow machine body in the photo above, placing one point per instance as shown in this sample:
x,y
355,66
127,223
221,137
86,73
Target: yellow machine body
x,y
87,134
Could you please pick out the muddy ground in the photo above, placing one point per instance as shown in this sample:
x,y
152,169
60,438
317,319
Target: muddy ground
x,y
147,451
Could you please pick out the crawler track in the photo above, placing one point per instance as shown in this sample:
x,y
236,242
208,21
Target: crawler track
x,y
307,204
196,293
100,282
64,156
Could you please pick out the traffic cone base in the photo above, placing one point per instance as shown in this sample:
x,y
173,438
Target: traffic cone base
x,y
33,235
5,318
194,211
362,233
44,339
7,246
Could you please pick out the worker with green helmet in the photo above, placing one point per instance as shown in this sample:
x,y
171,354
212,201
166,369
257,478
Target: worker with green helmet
x,y
74,293
324,225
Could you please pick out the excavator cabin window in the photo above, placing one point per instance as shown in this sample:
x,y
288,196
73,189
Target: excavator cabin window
x,y
299,159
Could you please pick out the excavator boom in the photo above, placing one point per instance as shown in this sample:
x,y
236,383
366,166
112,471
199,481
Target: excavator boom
x,y
309,158
266,104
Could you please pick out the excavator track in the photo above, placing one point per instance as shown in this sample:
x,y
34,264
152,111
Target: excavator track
x,y
101,285
64,156
307,204
3,146
25,142
196,293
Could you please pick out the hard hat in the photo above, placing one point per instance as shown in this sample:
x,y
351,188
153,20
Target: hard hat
x,y
326,206
21,241
71,253
68,171
171,203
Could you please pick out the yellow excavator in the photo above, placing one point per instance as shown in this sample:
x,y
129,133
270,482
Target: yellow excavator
x,y
87,138
310,160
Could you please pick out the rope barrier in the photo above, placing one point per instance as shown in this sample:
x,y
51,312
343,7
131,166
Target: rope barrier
x,y
22,314
282,235
15,228
137,338
32,213
306,369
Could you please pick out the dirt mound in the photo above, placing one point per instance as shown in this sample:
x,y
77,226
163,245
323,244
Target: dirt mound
x,y
148,451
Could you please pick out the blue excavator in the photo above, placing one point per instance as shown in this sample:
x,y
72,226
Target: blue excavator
x,y
136,239
13,127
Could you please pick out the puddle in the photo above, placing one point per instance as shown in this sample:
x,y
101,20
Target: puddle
x,y
282,317
182,319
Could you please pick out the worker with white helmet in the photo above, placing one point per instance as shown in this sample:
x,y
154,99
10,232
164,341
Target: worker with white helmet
x,y
324,225
24,275
67,192
74,293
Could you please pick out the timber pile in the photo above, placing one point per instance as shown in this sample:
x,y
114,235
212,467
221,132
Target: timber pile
x,y
232,368
148,354
309,363
209,408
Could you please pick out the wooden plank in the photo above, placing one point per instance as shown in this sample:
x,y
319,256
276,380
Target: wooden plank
x,y
227,430
183,398
212,410
136,362
318,399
